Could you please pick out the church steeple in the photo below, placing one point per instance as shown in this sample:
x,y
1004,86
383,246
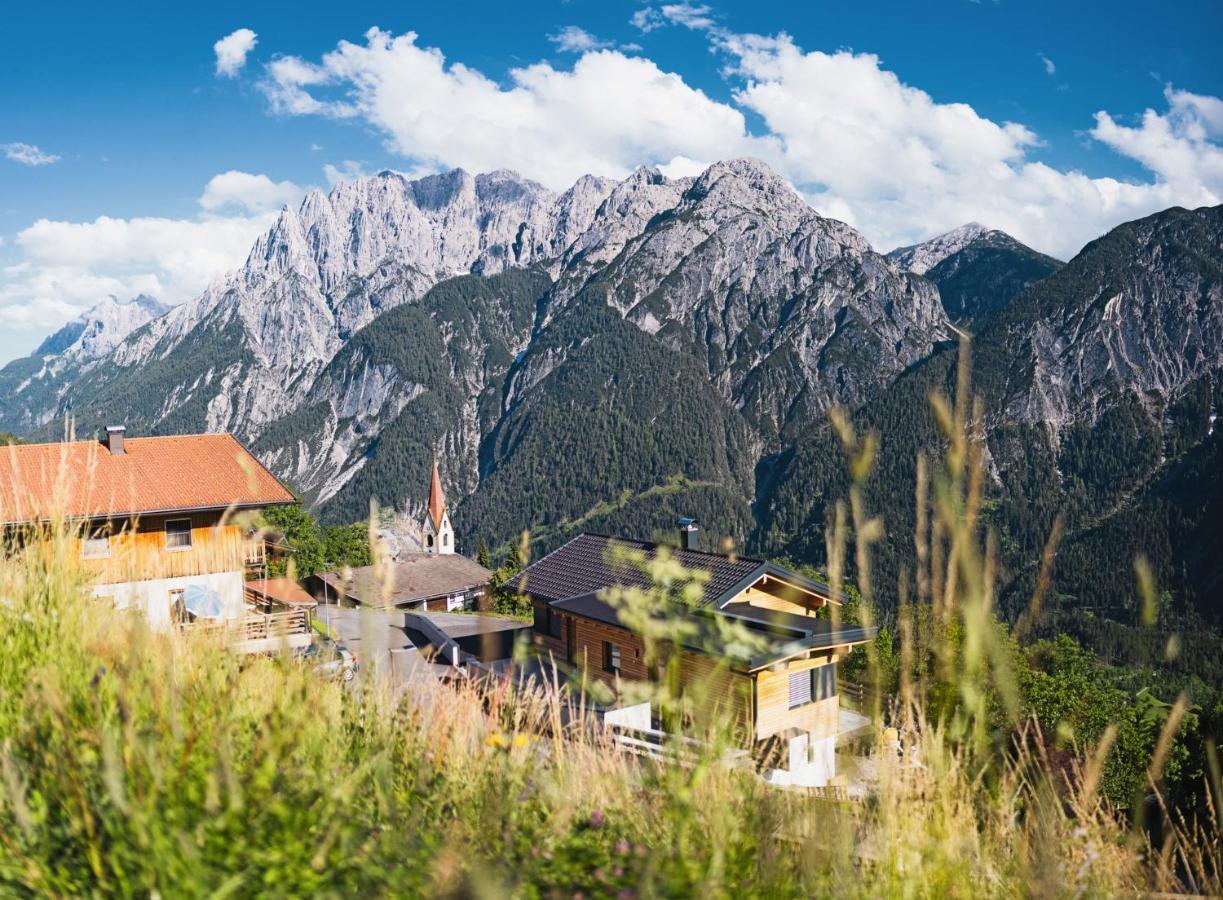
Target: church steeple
x,y
439,536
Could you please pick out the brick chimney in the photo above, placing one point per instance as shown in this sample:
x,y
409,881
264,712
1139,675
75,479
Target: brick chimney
x,y
114,439
689,535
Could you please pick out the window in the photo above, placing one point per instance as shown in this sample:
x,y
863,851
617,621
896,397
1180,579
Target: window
x,y
824,682
554,623
800,688
96,545
178,608
178,534
446,540
611,657
429,540
811,685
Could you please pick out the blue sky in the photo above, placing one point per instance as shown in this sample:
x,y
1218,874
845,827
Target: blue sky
x,y
903,118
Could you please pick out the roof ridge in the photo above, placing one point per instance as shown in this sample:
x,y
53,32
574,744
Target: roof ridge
x,y
144,438
656,544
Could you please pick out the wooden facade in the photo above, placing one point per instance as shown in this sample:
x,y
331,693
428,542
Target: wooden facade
x,y
141,550
757,703
772,700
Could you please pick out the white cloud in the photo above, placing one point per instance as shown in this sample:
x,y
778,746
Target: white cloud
x,y
1050,67
572,39
28,154
348,170
250,193
902,166
690,15
608,114
646,19
63,268
1180,146
231,51
856,140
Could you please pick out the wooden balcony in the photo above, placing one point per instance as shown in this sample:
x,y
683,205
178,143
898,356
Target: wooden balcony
x,y
259,632
255,553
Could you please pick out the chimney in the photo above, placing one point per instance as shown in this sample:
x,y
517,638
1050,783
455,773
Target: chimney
x,y
688,535
114,439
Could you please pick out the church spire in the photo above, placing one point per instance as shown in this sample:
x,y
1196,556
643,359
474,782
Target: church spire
x,y
437,499
439,535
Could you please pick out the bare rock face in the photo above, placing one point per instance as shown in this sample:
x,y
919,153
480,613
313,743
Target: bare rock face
x,y
791,312
1138,311
101,328
921,258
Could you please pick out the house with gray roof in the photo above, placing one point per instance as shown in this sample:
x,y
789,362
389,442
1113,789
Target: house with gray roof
x,y
778,673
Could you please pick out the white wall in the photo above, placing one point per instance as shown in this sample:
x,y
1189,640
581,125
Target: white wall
x,y
153,597
810,762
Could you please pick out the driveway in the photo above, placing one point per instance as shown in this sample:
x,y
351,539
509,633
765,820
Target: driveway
x,y
378,640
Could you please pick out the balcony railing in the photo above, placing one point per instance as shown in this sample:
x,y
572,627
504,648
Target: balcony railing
x,y
255,626
254,553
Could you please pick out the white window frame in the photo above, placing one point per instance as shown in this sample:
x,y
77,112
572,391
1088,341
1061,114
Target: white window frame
x,y
179,614
96,546
178,548
612,657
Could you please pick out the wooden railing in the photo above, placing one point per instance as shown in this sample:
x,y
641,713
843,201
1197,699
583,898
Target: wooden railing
x,y
660,746
257,626
255,553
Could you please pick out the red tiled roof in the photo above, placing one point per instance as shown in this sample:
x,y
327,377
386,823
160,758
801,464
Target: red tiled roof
x,y
280,590
83,479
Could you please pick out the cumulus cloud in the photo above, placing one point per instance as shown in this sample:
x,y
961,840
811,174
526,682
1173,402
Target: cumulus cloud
x,y
902,166
608,114
28,154
860,143
232,50
348,170
247,192
690,15
572,39
1050,66
63,268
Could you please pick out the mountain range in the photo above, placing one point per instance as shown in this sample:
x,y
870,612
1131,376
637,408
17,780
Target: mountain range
x,y
624,352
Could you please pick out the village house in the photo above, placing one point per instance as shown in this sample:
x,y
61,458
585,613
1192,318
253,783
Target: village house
x,y
782,694
434,579
163,523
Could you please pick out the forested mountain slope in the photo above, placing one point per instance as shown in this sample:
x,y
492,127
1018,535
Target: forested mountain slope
x,y
1100,385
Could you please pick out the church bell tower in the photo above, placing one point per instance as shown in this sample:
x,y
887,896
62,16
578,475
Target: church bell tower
x,y
438,535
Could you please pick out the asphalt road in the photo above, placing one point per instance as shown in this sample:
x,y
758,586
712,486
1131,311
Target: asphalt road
x,y
371,635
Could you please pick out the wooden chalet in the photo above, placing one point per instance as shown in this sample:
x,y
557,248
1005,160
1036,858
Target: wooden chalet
x,y
783,691
157,518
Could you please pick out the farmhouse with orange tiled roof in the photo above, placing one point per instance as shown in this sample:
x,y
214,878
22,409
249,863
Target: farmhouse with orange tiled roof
x,y
156,516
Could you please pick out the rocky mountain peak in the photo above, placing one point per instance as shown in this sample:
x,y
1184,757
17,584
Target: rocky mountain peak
x,y
921,258
101,328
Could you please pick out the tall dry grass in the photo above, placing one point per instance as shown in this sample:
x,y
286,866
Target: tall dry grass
x,y
135,763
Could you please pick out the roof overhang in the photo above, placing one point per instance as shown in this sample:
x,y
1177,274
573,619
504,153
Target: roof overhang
x,y
792,580
134,514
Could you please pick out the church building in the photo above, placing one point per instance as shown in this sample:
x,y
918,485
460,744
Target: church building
x,y
437,534
435,578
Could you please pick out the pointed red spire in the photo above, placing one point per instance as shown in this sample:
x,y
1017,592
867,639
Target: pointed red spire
x,y
437,499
